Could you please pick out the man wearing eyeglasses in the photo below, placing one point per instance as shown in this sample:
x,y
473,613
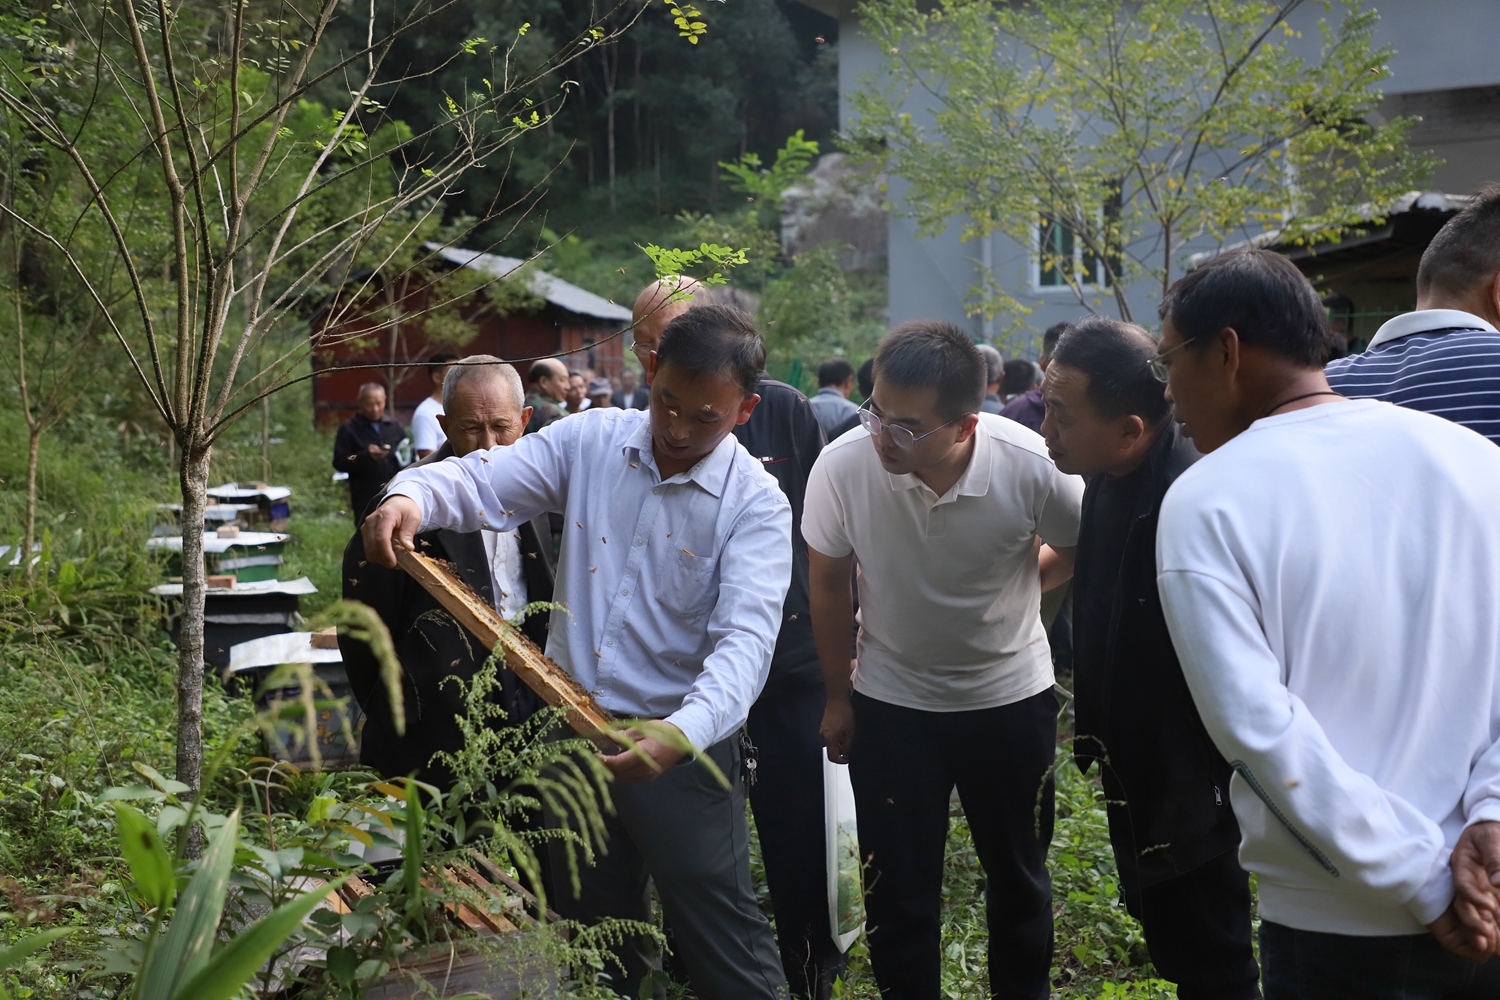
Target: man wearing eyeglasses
x,y
943,507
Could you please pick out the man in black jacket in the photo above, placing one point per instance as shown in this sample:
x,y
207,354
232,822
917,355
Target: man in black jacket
x,y
1173,830
786,796
482,404
365,447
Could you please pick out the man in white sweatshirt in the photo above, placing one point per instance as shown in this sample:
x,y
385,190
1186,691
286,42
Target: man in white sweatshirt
x,y
1330,575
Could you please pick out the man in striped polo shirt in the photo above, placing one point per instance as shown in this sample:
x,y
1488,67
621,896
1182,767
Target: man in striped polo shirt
x,y
1444,358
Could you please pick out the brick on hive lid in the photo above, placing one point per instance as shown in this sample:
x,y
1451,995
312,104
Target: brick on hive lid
x,y
326,638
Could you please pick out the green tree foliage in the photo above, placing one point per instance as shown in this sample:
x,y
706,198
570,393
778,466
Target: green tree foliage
x,y
670,111
810,308
1137,127
225,202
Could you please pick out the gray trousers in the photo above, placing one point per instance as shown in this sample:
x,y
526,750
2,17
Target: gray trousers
x,y
688,834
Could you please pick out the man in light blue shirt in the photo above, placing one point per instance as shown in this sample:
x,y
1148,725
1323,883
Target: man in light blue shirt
x,y
675,562
831,402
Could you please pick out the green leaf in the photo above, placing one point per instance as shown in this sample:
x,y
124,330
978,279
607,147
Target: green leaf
x,y
242,957
150,865
169,785
12,956
184,950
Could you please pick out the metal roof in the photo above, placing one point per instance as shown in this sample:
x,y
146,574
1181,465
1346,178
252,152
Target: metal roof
x,y
563,294
1411,201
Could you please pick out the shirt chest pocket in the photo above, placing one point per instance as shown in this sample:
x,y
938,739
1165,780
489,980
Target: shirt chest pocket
x,y
687,588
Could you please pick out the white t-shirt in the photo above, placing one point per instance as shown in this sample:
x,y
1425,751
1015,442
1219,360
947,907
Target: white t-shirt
x,y
1331,579
425,432
949,597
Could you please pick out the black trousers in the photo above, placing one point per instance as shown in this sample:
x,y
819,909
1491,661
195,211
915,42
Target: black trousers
x,y
1198,930
1308,965
787,800
687,834
904,766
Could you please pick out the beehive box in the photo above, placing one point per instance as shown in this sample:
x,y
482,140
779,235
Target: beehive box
x,y
250,556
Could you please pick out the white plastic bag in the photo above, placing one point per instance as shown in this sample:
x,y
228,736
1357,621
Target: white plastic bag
x,y
846,893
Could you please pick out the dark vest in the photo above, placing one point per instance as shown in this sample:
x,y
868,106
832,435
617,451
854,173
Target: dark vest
x,y
433,646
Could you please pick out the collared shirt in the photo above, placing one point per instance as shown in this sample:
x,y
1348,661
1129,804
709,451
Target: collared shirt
x,y
502,549
948,589
991,404
831,407
672,588
1441,361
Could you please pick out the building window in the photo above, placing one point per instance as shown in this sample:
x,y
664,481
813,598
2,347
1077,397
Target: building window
x,y
1061,255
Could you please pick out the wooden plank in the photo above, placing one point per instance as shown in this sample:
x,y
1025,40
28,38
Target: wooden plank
x,y
496,921
520,654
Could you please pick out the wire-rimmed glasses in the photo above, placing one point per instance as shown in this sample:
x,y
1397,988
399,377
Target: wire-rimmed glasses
x,y
1158,365
901,437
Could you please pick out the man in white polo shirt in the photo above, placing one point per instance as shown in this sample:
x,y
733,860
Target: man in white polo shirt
x,y
943,507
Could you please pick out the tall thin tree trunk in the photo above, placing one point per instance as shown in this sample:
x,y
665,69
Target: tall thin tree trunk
x,y
265,439
611,70
193,475
635,109
31,464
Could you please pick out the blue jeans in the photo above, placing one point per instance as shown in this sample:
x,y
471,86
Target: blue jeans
x,y
1308,965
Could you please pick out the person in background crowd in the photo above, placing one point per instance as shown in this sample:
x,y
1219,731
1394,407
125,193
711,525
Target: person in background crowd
x,y
865,377
600,394
942,506
787,797
576,397
1022,385
994,366
483,410
1445,357
549,389
426,434
631,396
365,448
831,401
1340,323
677,584
1327,572
1021,388
1167,787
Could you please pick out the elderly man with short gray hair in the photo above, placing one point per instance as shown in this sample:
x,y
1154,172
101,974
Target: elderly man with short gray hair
x,y
483,408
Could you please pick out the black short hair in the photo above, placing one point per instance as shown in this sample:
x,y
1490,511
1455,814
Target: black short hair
x,y
1339,306
931,354
1050,338
834,371
1261,296
715,340
1116,357
438,362
1466,251
866,377
1020,375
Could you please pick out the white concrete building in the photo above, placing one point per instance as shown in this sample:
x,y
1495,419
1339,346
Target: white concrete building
x,y
1446,70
